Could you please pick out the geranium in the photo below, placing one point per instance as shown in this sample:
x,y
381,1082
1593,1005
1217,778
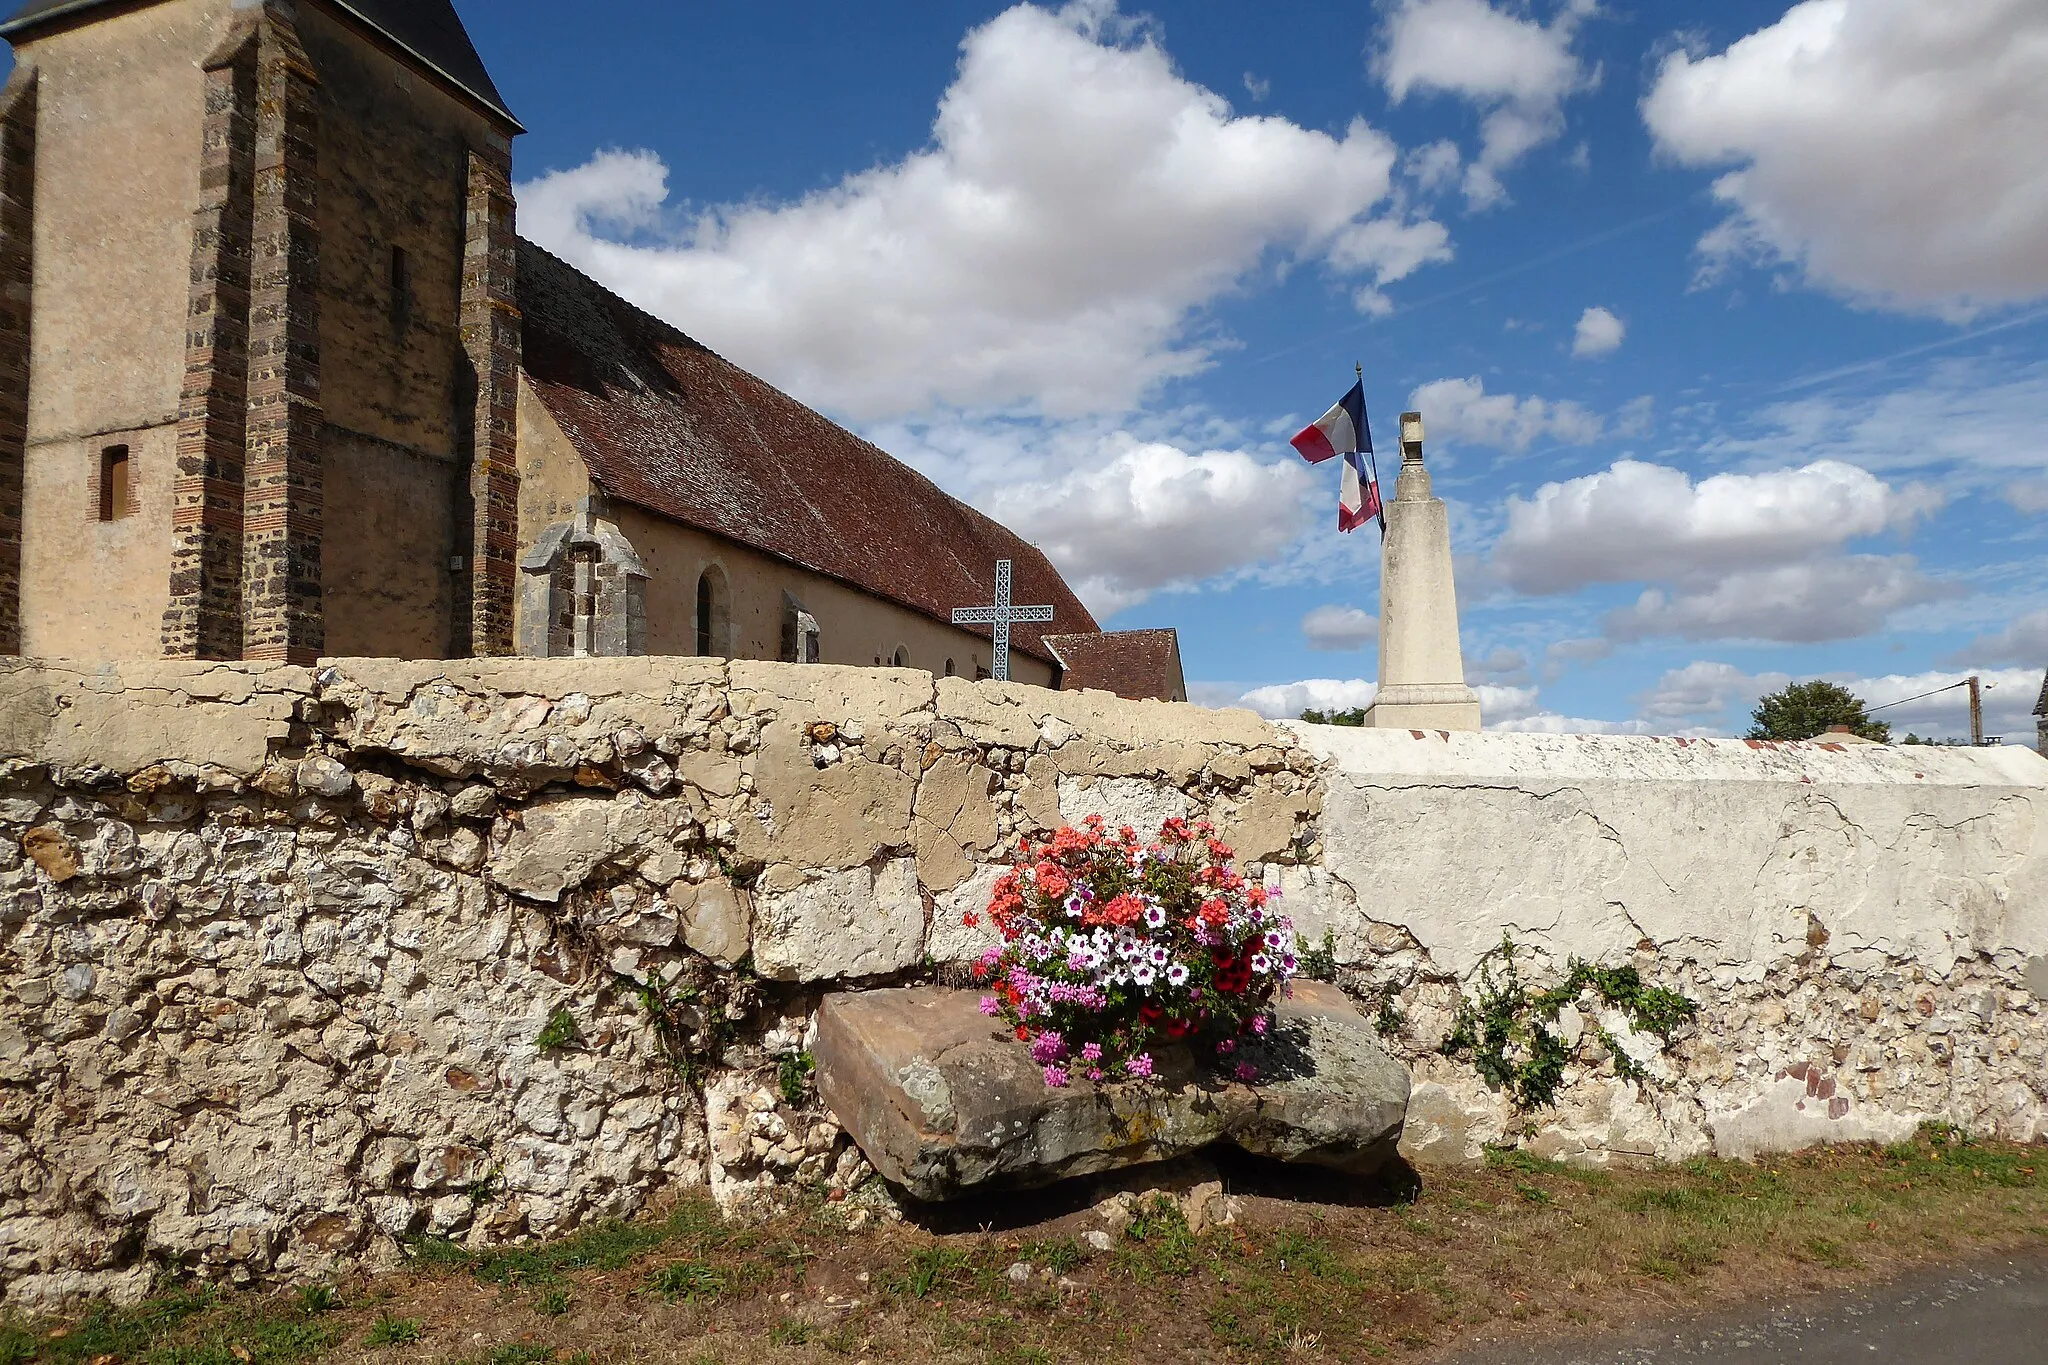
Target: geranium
x,y
1113,946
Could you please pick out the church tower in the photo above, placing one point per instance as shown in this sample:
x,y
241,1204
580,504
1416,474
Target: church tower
x,y
259,337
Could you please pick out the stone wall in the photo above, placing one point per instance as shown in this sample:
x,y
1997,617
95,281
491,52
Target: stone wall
x,y
280,947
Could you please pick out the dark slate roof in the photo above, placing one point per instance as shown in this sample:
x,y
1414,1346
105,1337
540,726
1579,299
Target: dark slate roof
x,y
666,425
429,30
1138,664
2041,706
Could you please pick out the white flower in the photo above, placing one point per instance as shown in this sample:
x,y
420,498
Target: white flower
x,y
1261,963
1176,975
1143,974
1156,917
1159,955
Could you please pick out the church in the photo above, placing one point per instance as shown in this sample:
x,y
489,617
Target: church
x,y
280,381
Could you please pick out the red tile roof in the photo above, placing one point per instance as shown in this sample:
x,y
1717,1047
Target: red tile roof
x,y
1139,664
669,426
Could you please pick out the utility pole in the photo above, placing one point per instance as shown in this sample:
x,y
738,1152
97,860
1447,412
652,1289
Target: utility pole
x,y
1976,711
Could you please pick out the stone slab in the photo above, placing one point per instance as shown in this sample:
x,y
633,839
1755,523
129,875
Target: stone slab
x,y
944,1103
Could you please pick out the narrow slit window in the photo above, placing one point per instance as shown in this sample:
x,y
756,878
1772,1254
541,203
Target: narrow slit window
x,y
116,483
401,289
706,600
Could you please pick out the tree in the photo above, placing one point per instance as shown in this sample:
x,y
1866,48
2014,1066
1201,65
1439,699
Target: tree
x,y
1355,717
1809,710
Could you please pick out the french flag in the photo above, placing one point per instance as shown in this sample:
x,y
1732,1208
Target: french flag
x,y
1360,500
1344,430
1341,430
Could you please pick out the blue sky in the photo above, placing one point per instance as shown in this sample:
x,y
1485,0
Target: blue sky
x,y
1729,322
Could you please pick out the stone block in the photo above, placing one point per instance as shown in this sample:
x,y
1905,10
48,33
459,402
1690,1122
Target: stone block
x,y
1133,801
834,925
945,1103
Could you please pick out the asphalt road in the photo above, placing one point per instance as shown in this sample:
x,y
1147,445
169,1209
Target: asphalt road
x,y
1991,1313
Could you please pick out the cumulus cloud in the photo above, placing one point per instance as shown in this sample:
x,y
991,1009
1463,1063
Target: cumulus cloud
x,y
1831,599
1552,723
1079,203
1516,71
2009,697
1721,693
1152,516
1335,629
1503,666
1462,410
2023,642
1890,149
1644,522
1600,333
2028,495
1704,691
1285,701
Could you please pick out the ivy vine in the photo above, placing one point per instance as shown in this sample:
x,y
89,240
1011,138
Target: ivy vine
x,y
1508,1028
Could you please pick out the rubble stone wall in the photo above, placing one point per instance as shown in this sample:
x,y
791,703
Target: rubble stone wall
x,y
299,962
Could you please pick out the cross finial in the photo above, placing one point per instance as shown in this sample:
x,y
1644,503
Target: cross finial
x,y
1001,616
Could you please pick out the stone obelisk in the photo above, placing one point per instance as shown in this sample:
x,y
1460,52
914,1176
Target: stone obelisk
x,y
1422,671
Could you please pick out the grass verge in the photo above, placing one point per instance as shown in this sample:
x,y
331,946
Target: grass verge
x,y
1330,1277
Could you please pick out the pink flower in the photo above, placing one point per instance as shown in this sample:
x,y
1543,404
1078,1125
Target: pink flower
x,y
990,1007
1226,1047
1092,1052
1056,1077
1095,1074
1259,1025
1139,1067
1247,1073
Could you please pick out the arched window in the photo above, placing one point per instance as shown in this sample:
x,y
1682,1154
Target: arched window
x,y
902,659
951,670
714,614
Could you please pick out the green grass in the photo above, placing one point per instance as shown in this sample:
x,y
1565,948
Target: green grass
x,y
930,1268
681,1280
551,1303
390,1331
610,1245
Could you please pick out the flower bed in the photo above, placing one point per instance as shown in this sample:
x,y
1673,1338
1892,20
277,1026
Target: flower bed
x,y
1113,946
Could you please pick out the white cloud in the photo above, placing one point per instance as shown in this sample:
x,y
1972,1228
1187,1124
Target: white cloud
x,y
1285,701
1637,522
1335,629
1516,71
2023,642
1079,204
1888,148
2028,495
1150,516
1503,666
1705,691
1830,599
2009,696
1600,333
1723,693
1462,410
1257,87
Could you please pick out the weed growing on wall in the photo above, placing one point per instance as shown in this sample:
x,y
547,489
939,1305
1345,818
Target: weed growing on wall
x,y
560,1033
1508,1028
793,1076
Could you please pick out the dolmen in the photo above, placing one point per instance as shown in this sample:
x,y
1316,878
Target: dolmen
x,y
945,1103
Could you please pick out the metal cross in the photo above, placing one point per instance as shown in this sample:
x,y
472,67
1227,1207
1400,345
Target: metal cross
x,y
1001,615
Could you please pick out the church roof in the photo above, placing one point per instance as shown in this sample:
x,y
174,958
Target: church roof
x,y
2041,706
429,31
1138,664
667,425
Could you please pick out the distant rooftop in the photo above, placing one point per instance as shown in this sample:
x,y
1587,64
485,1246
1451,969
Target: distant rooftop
x,y
429,31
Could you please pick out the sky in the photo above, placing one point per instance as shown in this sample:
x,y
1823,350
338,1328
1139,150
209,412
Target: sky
x,y
1728,321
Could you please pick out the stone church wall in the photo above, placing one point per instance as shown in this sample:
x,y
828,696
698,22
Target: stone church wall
x,y
280,947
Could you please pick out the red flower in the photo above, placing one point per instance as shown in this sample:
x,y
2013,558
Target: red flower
x,y
971,920
1124,910
1023,1034
1176,1029
1150,1013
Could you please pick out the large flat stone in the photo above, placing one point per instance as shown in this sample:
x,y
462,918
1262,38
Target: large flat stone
x,y
945,1103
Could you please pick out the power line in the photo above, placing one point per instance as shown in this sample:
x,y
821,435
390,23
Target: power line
x,y
1873,710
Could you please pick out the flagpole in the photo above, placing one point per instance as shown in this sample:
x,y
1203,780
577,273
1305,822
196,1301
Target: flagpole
x,y
1380,494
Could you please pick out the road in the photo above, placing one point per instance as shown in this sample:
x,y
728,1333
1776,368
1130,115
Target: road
x,y
1990,1313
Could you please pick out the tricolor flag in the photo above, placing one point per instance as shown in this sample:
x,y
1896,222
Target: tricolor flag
x,y
1341,431
1360,500
1345,430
